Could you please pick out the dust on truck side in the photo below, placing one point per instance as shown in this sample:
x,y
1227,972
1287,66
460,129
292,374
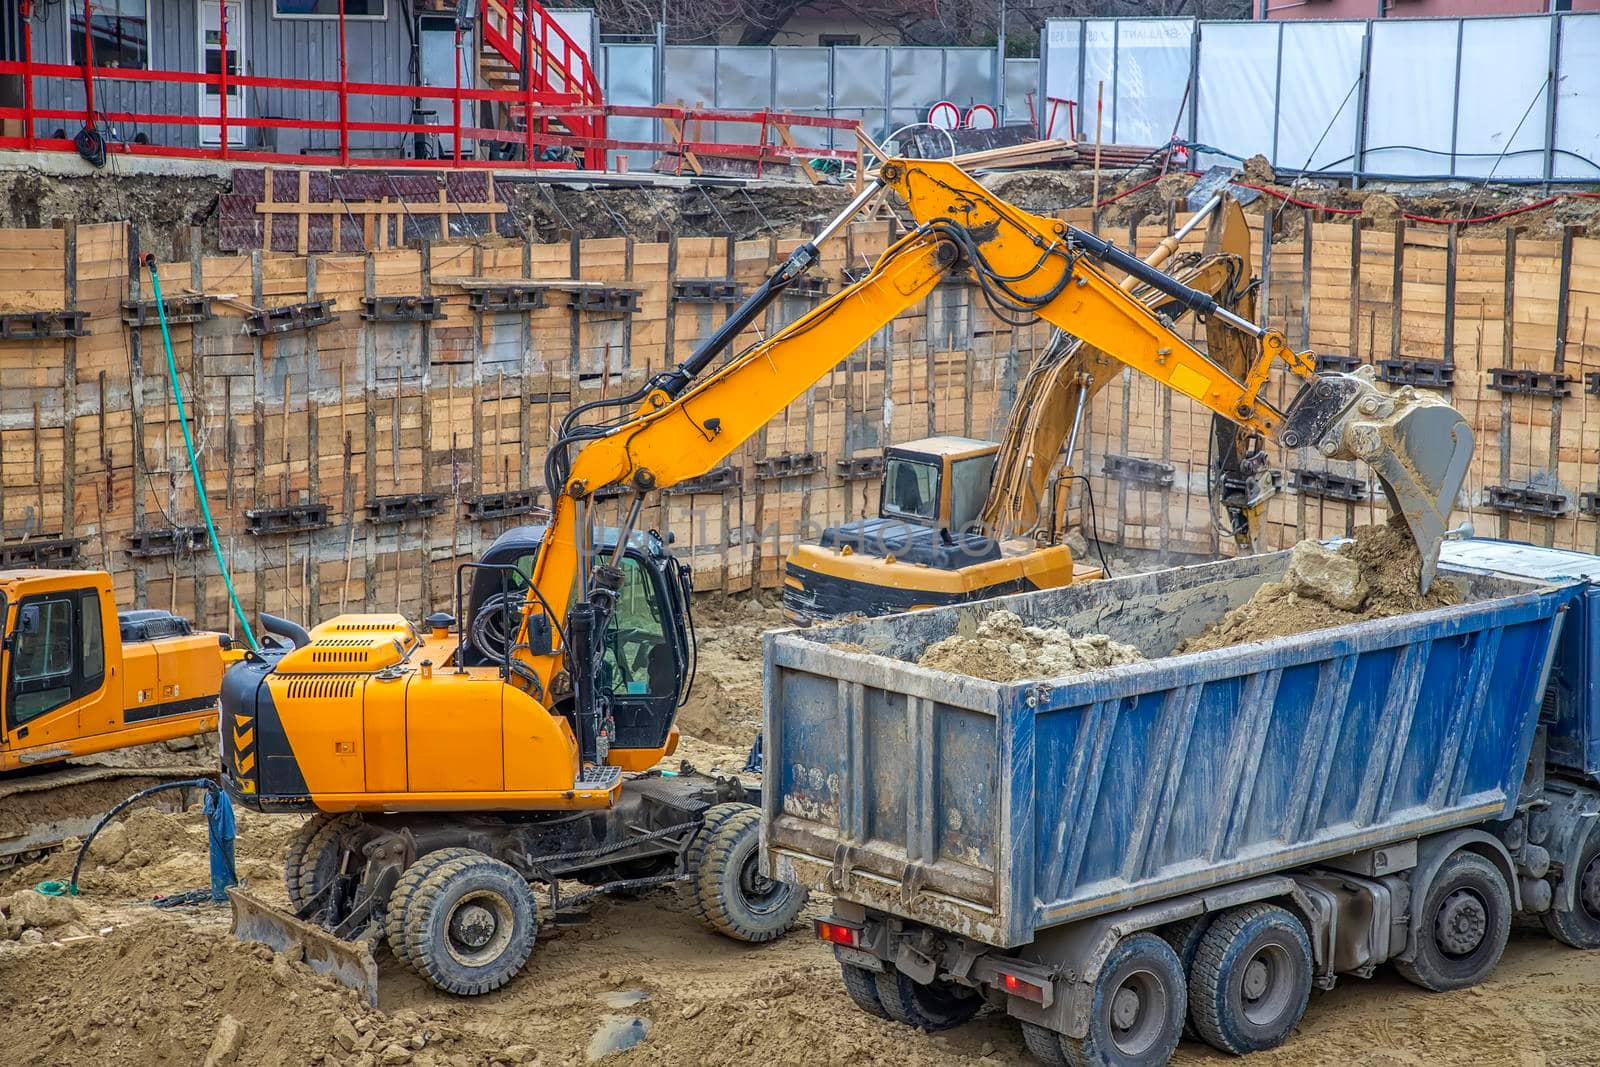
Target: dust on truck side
x,y
1194,840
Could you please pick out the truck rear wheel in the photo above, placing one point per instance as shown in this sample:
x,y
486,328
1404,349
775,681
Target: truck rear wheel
x,y
1184,937
731,895
936,1006
1135,1015
394,921
1251,979
1580,927
862,985
470,925
313,857
1462,928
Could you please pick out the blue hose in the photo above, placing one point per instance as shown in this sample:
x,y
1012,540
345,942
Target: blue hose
x,y
194,464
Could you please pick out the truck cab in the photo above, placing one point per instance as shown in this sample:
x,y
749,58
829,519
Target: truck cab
x,y
78,677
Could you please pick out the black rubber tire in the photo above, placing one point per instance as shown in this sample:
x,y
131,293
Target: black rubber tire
x,y
1251,979
1044,1045
731,897
307,869
1184,937
437,922
1475,889
862,985
394,918
1580,927
938,1005
710,823
1146,965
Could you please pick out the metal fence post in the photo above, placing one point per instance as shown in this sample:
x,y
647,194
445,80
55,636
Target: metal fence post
x,y
1358,163
1552,90
1194,90
1455,111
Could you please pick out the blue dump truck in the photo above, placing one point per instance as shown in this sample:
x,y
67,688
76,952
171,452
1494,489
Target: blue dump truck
x,y
1194,841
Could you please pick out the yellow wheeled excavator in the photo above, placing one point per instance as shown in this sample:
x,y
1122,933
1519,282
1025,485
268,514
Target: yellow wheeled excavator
x,y
445,782
962,519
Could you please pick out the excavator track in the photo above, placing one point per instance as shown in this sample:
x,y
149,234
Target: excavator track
x,y
39,810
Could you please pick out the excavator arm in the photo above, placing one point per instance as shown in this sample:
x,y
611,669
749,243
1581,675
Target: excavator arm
x,y
1418,446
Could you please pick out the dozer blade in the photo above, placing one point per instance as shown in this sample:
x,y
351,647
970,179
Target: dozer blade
x,y
1418,446
347,962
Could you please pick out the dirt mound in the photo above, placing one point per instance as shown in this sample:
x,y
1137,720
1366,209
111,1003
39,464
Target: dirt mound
x,y
1375,576
1258,171
724,704
1004,650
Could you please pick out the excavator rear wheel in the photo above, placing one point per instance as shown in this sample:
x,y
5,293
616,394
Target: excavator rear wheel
x,y
406,888
313,856
731,895
470,925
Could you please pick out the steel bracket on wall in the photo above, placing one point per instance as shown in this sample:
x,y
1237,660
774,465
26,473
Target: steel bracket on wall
x,y
291,318
1428,373
860,468
503,505
53,552
506,298
43,325
1328,362
1329,486
297,518
606,299
707,291
1589,504
1138,471
720,480
1529,382
172,541
402,507
1522,500
180,310
402,308
789,465
1592,383
808,286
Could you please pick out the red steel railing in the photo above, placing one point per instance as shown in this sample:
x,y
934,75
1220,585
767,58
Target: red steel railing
x,y
572,116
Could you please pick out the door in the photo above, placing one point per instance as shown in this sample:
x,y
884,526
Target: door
x,y
445,60
55,668
211,63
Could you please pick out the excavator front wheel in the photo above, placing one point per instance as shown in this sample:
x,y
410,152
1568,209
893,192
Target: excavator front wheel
x,y
313,856
730,894
470,925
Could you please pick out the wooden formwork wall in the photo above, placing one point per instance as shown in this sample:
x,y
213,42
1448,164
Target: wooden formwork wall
x,y
360,416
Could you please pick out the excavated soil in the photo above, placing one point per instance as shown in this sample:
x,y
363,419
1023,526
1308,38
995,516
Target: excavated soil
x,y
1374,576
1002,649
106,979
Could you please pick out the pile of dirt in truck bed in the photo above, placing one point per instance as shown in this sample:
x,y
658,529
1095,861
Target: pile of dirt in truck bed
x,y
1002,649
1373,576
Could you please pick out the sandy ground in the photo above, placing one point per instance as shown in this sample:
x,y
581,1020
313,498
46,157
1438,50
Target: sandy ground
x,y
111,980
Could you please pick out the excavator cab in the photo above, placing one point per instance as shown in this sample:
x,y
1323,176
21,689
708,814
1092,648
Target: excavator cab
x,y
939,482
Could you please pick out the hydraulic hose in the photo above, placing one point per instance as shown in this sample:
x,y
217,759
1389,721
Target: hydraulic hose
x,y
194,464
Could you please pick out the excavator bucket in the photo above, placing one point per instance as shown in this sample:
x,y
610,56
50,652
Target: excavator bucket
x,y
1418,446
348,962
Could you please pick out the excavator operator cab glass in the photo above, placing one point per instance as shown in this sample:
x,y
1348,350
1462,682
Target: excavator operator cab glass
x,y
911,489
969,487
57,654
638,650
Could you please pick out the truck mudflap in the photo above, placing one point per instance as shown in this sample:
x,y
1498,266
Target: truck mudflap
x,y
349,963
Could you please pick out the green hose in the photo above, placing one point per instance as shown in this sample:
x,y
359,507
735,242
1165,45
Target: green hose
x,y
194,464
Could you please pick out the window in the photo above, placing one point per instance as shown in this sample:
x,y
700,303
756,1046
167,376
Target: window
x,y
329,9
911,488
121,33
91,640
642,662
41,656
969,487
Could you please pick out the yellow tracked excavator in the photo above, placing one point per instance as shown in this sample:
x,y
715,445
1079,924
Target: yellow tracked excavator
x,y
78,679
448,773
962,519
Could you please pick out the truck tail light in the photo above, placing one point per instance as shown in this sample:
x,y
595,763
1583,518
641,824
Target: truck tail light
x,y
838,933
1022,987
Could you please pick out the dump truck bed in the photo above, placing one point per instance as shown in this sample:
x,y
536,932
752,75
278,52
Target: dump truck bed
x,y
994,810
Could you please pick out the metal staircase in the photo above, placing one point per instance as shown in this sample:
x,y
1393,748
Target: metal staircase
x,y
523,47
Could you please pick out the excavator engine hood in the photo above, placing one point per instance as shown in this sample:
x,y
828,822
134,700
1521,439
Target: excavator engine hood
x,y
1418,446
